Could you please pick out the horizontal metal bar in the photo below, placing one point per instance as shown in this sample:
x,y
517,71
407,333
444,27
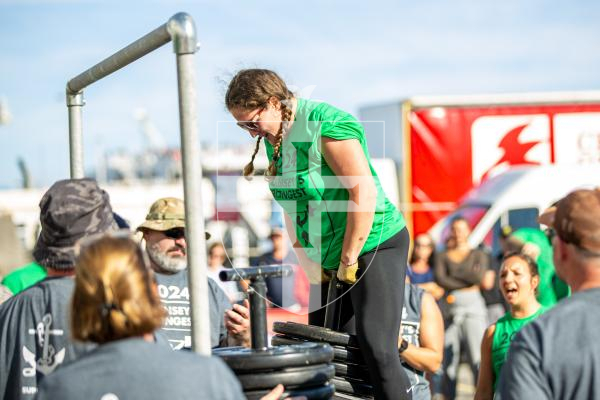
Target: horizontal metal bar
x,y
146,44
266,271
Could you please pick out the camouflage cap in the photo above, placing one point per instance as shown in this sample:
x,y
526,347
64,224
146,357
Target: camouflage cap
x,y
166,213
70,210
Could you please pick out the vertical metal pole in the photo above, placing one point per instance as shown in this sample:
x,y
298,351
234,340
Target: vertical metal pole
x,y
192,179
258,313
74,104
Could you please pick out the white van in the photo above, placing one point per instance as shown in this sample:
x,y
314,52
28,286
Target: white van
x,y
515,198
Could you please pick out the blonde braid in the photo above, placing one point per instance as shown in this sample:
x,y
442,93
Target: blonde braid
x,y
249,168
286,116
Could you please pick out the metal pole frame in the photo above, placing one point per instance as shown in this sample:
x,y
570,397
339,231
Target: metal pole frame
x,y
179,29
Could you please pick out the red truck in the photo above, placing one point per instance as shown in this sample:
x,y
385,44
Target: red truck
x,y
445,145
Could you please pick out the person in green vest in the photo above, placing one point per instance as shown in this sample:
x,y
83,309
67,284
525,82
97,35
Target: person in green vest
x,y
336,212
535,244
519,282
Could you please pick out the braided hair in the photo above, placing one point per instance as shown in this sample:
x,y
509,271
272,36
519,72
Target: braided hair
x,y
251,89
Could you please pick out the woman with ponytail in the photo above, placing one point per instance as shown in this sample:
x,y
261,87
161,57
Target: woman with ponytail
x,y
336,212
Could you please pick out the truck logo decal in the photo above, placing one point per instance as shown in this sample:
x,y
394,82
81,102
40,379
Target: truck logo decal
x,y
501,141
514,151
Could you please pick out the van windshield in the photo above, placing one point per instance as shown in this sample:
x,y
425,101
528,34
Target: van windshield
x,y
471,212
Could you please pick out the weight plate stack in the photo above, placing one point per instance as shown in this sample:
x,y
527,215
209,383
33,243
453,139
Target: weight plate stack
x,y
303,368
351,374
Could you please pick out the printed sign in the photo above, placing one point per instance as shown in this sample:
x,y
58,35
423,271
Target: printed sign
x,y
577,138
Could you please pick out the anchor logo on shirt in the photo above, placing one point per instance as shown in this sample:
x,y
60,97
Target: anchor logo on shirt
x,y
50,358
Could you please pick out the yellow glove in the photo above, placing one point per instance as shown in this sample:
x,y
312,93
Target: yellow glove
x,y
347,273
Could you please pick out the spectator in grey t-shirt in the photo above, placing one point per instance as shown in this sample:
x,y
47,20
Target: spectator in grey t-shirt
x,y
164,233
557,356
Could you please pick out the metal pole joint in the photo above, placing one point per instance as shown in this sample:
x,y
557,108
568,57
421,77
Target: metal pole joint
x,y
182,29
75,99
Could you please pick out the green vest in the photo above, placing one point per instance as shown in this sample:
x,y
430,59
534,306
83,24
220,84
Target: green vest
x,y
506,329
311,194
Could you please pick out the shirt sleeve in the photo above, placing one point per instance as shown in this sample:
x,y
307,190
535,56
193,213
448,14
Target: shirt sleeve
x,y
522,376
339,125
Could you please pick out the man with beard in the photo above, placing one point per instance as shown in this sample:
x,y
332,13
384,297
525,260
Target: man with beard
x,y
164,233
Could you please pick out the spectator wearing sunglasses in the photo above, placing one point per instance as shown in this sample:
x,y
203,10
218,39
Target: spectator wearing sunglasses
x,y
34,328
164,233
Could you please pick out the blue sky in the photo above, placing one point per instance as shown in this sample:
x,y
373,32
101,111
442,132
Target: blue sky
x,y
352,54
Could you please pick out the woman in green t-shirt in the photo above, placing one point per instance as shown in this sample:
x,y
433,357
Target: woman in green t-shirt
x,y
336,212
519,280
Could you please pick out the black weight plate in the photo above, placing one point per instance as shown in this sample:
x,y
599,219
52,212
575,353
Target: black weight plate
x,y
358,372
340,353
296,355
351,386
348,396
315,393
291,378
316,333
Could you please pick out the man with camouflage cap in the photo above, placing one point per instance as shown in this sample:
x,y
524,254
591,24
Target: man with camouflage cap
x,y
34,328
557,356
164,233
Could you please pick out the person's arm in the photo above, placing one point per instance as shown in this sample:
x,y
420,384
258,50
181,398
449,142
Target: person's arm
x,y
428,355
356,176
485,381
442,277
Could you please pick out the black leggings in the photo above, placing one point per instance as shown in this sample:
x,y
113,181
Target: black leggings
x,y
372,309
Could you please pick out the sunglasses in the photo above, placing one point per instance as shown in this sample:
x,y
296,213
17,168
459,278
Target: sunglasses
x,y
253,124
175,233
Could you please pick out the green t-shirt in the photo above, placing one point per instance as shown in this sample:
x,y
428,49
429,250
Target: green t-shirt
x,y
506,329
24,277
311,194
